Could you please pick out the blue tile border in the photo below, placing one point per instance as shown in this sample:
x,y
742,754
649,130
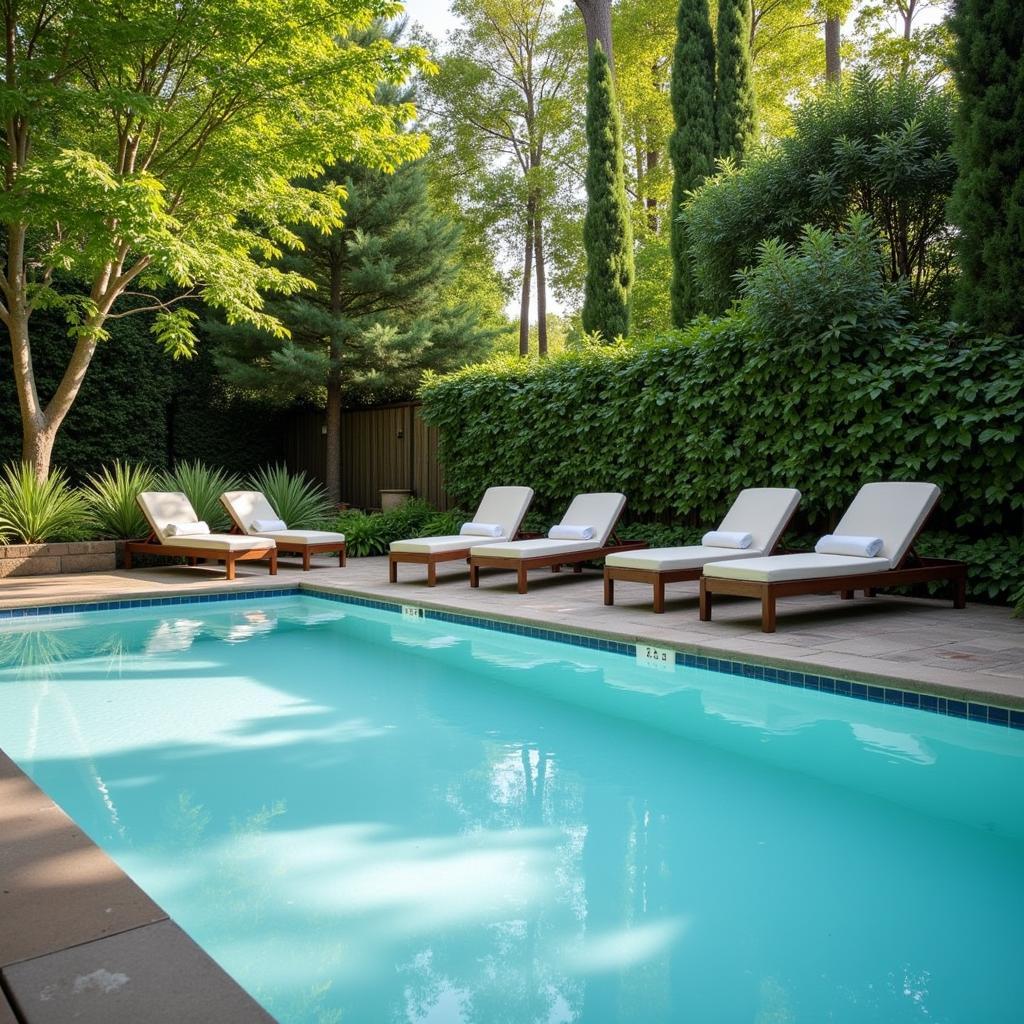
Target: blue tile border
x,y
990,714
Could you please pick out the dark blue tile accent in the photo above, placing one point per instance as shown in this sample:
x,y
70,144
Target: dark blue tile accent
x,y
876,694
977,712
998,716
859,690
1016,719
893,696
911,700
957,708
929,702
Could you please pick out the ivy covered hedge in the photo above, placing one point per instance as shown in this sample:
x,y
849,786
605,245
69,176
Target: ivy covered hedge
x,y
815,380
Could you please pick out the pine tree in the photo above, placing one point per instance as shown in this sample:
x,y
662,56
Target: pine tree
x,y
735,104
988,198
607,233
692,144
376,317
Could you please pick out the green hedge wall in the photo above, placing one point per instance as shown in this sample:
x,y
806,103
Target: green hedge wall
x,y
140,405
682,423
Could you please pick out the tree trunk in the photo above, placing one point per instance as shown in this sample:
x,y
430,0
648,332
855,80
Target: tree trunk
x,y
37,447
332,470
542,288
597,18
653,157
833,64
524,302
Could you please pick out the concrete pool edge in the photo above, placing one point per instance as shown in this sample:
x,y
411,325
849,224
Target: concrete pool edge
x,y
66,906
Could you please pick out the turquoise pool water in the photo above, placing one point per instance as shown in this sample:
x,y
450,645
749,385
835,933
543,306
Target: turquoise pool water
x,y
367,818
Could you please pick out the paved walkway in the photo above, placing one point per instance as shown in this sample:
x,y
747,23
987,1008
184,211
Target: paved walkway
x,y
977,652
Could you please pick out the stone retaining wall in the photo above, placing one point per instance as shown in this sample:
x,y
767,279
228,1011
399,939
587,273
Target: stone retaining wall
x,y
52,559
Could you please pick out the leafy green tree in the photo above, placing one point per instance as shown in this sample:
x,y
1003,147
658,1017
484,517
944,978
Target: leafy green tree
x,y
988,201
133,141
735,113
607,231
375,319
692,144
877,147
892,37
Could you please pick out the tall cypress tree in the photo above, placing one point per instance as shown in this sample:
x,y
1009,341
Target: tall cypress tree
x,y
988,198
607,232
735,103
692,144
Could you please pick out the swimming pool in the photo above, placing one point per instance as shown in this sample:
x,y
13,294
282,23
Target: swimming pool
x,y
366,817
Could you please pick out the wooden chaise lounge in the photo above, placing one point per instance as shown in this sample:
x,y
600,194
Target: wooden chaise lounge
x,y
250,509
502,508
761,512
597,513
167,511
893,512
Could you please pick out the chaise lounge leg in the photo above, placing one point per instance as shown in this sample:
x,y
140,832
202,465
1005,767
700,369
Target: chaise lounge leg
x,y
521,574
960,591
474,575
127,558
273,563
341,558
705,602
659,596
609,589
305,560
846,595
578,567
392,568
431,574
767,611
229,568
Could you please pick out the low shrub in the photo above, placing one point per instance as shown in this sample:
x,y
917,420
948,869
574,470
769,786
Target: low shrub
x,y
111,497
32,512
302,503
372,534
203,485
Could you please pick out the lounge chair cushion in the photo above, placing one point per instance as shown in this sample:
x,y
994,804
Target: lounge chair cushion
x,y
247,508
894,511
601,511
763,512
300,538
221,542
670,559
162,508
773,568
506,506
541,547
440,545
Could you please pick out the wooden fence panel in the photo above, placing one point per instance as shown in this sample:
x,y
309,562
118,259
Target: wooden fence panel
x,y
386,448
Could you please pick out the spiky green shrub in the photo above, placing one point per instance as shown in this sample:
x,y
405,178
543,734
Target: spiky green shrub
x,y
203,485
32,512
302,503
111,497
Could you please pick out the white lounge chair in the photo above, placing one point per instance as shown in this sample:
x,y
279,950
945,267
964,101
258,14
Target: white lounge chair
x,y
167,512
893,513
504,507
596,513
250,509
762,512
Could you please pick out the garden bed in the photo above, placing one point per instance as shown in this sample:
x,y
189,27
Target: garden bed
x,y
54,559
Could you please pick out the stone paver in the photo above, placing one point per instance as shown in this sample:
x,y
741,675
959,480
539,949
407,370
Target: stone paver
x,y
57,888
922,643
155,974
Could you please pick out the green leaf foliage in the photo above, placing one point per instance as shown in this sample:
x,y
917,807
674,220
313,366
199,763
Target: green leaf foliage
x,y
111,496
691,146
988,202
373,534
302,503
32,512
203,485
878,147
607,231
817,379
735,105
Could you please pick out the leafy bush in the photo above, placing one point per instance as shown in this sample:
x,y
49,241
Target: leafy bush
x,y
874,146
203,485
817,379
373,534
302,503
33,512
111,497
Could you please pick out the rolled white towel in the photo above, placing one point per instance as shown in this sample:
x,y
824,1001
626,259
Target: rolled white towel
x,y
565,532
186,529
837,544
267,525
482,530
726,539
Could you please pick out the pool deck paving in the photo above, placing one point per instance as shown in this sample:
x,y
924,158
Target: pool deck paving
x,y
921,643
79,940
